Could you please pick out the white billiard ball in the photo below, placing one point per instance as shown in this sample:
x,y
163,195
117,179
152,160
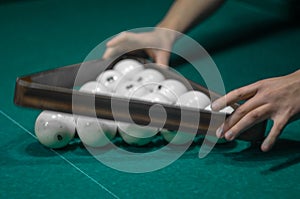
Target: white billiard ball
x,y
128,67
95,132
141,135
156,97
136,135
171,89
94,87
193,99
131,89
54,129
110,79
227,109
149,78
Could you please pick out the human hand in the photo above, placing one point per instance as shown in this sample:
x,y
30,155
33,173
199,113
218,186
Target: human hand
x,y
157,44
275,98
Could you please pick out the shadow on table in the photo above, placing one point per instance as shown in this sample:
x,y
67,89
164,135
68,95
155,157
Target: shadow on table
x,y
294,10
223,39
233,38
36,149
284,154
286,151
77,148
14,1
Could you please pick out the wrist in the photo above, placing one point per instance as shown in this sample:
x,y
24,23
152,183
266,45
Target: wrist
x,y
170,34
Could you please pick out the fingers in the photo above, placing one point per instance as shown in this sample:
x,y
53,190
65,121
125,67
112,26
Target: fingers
x,y
108,53
114,52
277,127
235,96
162,58
118,39
241,111
116,45
127,41
253,117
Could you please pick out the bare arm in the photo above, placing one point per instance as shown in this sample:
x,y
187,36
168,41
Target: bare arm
x,y
184,14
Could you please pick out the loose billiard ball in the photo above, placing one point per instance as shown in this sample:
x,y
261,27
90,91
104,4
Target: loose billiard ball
x,y
55,129
95,132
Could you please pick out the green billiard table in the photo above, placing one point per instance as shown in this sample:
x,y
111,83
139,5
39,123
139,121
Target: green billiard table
x,y
248,41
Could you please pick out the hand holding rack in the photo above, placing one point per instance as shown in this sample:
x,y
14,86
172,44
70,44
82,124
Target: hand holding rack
x,y
53,90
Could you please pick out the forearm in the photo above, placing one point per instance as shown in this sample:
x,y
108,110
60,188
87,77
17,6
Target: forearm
x,y
184,14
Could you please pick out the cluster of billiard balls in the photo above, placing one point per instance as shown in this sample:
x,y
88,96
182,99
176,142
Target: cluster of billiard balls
x,y
129,79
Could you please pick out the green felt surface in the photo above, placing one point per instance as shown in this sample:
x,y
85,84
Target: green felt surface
x,y
246,40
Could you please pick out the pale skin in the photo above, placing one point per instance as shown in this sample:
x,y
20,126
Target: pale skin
x,y
276,98
197,10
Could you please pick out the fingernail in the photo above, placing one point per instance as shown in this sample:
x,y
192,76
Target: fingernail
x,y
229,135
219,131
266,145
